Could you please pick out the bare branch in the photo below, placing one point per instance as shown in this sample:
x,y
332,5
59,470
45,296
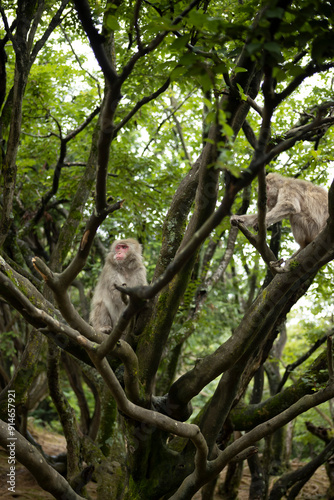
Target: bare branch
x,y
298,134
55,21
218,274
180,132
67,38
37,315
311,69
96,40
260,244
66,308
141,103
167,118
136,24
107,134
290,368
255,106
84,124
28,455
9,31
60,164
126,354
193,482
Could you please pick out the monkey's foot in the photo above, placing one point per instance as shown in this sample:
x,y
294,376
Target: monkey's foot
x,y
106,329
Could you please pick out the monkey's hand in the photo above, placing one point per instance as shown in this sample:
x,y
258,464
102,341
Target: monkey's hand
x,y
236,220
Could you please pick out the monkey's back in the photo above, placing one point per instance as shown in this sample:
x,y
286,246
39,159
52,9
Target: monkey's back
x,y
312,215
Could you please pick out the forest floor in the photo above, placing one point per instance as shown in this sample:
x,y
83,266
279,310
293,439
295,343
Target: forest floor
x,y
26,487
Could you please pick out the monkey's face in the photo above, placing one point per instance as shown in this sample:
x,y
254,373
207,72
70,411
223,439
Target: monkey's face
x,y
121,251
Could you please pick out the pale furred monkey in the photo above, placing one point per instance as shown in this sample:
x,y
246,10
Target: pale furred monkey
x,y
303,203
123,267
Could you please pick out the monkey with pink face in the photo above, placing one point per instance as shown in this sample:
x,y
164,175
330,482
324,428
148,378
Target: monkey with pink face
x,y
123,267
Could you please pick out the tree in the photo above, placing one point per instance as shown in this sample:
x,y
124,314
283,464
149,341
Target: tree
x,y
220,82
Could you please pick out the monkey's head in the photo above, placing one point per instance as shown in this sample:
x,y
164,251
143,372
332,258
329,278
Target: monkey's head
x,y
123,250
274,183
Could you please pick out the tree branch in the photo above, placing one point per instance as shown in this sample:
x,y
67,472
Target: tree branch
x,y
67,38
260,319
153,418
154,43
46,476
290,368
193,482
141,103
60,164
55,21
166,119
96,40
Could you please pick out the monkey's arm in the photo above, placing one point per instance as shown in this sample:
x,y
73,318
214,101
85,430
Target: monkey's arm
x,y
100,317
287,204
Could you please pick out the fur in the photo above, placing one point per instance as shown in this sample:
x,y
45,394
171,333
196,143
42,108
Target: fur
x,y
303,203
107,303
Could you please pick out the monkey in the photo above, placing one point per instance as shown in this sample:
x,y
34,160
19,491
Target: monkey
x,y
123,267
305,204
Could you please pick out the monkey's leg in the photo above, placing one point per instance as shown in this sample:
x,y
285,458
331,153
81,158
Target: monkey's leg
x,y
101,319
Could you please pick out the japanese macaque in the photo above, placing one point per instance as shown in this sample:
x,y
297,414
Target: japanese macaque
x,y
123,267
305,205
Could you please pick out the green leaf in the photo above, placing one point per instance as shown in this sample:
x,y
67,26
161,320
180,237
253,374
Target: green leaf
x,y
177,73
238,69
253,47
275,12
242,93
274,48
112,22
180,43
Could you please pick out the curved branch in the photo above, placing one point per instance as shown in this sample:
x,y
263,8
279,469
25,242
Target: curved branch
x,y
134,305
140,104
55,21
153,418
67,38
28,455
290,368
311,69
192,483
96,40
60,164
126,354
40,318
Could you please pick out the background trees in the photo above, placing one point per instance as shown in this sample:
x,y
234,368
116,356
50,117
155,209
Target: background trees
x,y
187,107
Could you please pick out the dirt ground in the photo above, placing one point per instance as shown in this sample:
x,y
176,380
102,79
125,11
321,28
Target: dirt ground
x,y
53,444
